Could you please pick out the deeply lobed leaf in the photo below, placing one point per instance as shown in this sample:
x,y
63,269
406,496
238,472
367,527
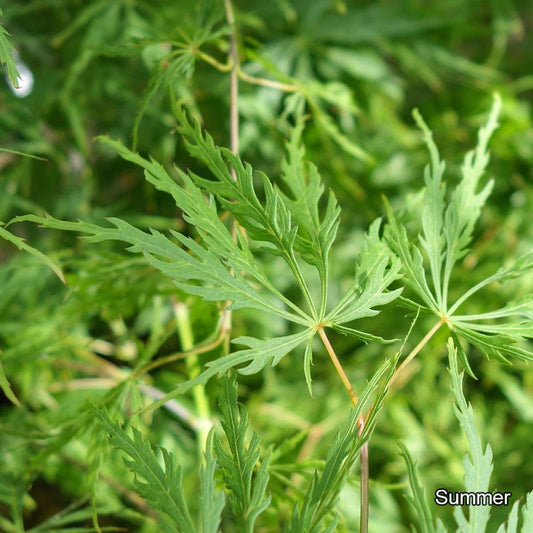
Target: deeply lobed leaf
x,y
319,499
247,486
447,229
6,56
478,462
161,487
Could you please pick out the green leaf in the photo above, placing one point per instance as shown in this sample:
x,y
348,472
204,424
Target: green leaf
x,y
527,513
6,387
512,521
315,236
260,353
433,240
218,240
477,463
411,259
323,491
268,350
447,231
376,270
211,500
497,345
94,10
6,56
522,266
185,268
465,206
180,61
446,234
269,222
21,245
248,499
363,335
328,125
162,487
424,517
24,154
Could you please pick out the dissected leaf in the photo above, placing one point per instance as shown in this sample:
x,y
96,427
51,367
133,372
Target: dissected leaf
x,y
478,462
21,245
315,236
6,56
465,204
319,499
411,259
375,272
425,518
269,222
247,484
161,487
183,267
447,228
211,500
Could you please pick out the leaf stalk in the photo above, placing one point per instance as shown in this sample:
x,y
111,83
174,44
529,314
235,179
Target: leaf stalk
x,y
364,475
416,349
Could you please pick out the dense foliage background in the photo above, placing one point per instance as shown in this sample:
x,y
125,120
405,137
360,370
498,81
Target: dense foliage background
x,y
357,69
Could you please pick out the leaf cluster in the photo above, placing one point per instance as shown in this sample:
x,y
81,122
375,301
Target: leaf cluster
x,y
447,231
224,269
335,78
478,467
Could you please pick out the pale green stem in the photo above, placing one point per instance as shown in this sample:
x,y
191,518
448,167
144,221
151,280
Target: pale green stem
x,y
295,267
225,319
234,83
185,333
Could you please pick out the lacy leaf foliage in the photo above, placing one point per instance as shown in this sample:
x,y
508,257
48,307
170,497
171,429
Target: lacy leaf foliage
x,y
219,267
447,228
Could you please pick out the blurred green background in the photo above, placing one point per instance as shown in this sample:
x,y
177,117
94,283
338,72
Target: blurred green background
x,y
106,68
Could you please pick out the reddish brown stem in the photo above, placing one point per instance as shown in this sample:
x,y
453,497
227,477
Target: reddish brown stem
x,y
415,350
363,522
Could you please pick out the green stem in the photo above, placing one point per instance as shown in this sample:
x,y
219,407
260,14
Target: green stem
x,y
295,267
234,83
185,333
365,504
323,291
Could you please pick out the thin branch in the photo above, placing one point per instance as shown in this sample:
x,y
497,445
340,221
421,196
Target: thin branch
x,y
234,83
364,475
234,65
222,67
338,366
267,83
225,321
199,349
415,350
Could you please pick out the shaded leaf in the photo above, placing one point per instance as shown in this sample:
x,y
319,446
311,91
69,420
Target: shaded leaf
x,y
21,245
6,56
6,388
375,271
